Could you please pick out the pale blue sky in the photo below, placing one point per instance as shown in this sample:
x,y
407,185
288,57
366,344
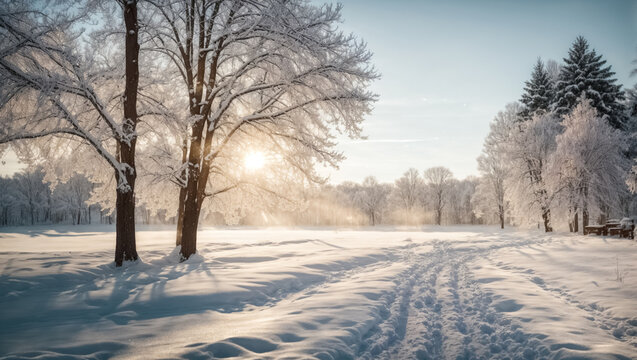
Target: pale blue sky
x,y
448,67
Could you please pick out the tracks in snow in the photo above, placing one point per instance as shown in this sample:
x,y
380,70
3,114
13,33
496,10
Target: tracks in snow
x,y
622,329
441,312
436,309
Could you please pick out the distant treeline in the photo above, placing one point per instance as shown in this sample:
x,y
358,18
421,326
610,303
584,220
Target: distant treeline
x,y
433,197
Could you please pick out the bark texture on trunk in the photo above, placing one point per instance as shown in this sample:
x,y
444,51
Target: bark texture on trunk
x,y
192,205
189,225
198,146
182,195
125,247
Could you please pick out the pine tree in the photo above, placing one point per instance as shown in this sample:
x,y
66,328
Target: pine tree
x,y
584,73
538,92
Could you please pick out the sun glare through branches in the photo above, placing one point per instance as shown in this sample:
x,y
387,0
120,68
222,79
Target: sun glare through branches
x,y
254,160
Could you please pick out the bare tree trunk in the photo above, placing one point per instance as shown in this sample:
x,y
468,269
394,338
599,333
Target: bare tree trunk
x,y
192,205
190,223
32,210
501,212
125,247
576,222
546,216
182,196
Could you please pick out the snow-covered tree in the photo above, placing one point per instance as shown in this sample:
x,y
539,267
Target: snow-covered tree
x,y
31,192
584,73
631,105
409,188
589,162
632,101
372,198
275,74
493,162
8,201
73,195
460,209
529,147
538,92
51,88
438,181
482,203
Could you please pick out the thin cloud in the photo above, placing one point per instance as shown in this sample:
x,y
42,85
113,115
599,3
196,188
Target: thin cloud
x,y
392,140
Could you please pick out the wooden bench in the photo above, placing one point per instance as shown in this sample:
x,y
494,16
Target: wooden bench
x,y
595,229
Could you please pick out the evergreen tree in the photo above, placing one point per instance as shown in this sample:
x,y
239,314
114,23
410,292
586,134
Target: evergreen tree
x,y
631,96
538,92
584,73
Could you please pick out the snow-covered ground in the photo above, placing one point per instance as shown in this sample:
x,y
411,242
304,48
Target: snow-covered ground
x,y
436,292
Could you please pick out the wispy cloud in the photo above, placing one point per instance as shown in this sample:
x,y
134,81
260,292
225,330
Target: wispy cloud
x,y
423,101
365,141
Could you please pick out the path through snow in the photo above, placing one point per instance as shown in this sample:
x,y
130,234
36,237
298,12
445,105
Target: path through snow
x,y
435,293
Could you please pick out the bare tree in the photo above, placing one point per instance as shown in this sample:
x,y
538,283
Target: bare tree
x,y
273,73
31,190
74,194
438,181
408,188
42,67
372,198
492,163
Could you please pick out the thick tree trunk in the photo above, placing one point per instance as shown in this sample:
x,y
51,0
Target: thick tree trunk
x,y
198,170
576,222
192,202
125,247
190,222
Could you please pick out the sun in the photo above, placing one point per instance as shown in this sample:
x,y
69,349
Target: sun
x,y
254,160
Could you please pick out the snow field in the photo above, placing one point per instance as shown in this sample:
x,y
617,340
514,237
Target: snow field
x,y
454,293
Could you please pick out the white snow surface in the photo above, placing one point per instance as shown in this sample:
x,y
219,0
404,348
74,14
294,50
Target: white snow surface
x,y
387,293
